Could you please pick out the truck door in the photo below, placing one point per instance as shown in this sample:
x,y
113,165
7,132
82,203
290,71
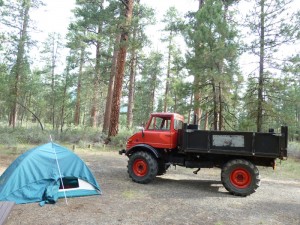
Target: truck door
x,y
158,133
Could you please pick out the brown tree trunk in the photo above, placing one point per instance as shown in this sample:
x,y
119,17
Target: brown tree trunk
x,y
18,68
78,94
261,69
107,114
114,121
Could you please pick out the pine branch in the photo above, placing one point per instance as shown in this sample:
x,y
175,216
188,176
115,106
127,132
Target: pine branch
x,y
125,3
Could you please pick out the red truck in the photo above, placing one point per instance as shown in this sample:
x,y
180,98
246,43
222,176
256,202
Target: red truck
x,y
167,140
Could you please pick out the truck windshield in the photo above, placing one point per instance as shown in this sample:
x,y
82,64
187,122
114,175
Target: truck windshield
x,y
160,123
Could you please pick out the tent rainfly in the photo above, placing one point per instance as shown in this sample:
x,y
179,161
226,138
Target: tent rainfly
x,y
46,173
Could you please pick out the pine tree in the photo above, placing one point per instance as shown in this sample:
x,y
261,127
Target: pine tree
x,y
51,59
16,19
172,21
212,59
143,16
272,27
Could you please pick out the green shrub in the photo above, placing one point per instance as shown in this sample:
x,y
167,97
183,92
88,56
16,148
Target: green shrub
x,y
121,139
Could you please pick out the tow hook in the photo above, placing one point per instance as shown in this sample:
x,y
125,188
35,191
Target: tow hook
x,y
123,151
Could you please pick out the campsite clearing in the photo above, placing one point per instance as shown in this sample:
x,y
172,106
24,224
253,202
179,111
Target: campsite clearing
x,y
178,197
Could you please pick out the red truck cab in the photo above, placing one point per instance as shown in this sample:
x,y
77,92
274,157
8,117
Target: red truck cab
x,y
161,132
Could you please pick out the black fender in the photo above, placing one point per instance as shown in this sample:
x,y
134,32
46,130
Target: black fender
x,y
146,148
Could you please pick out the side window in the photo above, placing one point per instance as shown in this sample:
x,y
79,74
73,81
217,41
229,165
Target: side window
x,y
178,124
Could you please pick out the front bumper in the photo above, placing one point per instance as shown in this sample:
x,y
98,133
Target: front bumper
x,y
123,151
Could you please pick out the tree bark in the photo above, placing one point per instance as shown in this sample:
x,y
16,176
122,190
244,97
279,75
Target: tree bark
x,y
115,112
107,114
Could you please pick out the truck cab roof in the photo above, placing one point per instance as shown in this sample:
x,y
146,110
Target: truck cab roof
x,y
168,114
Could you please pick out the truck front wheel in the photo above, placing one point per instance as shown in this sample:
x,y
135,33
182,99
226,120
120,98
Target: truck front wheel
x,y
240,177
142,167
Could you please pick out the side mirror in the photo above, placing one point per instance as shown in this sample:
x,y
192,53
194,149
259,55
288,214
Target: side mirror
x,y
141,129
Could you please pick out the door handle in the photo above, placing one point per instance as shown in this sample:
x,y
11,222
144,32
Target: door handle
x,y
168,135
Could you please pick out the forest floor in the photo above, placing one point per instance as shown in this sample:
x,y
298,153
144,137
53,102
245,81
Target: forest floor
x,y
178,197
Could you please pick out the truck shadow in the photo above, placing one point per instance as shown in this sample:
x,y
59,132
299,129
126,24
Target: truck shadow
x,y
193,188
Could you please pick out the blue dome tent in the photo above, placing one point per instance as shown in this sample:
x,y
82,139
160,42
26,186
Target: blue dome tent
x,y
46,173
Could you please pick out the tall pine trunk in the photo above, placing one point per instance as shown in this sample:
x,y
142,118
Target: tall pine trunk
x,y
107,114
115,112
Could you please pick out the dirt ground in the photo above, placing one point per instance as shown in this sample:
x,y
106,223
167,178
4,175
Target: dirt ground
x,y
178,197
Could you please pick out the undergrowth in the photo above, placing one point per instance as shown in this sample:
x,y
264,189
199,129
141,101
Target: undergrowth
x,y
81,137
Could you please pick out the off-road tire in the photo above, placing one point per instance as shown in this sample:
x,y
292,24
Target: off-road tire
x,y
240,177
142,167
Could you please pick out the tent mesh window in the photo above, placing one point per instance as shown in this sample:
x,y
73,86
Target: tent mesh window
x,y
69,182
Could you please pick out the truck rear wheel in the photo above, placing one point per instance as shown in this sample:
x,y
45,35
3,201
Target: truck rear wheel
x,y
240,177
142,167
